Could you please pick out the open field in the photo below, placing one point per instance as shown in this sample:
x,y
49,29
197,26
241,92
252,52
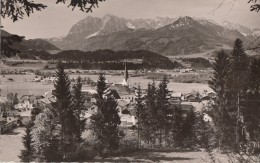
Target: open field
x,y
10,145
24,84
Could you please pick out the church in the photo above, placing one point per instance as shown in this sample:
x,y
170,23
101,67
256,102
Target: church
x,y
122,89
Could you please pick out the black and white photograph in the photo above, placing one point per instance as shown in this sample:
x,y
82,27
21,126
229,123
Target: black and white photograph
x,y
169,81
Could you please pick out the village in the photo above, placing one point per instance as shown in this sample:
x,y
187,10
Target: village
x,y
124,92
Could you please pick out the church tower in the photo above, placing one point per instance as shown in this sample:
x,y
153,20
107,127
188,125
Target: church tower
x,y
126,76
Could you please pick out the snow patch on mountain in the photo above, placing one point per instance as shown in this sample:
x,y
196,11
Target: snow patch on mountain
x,y
130,25
92,35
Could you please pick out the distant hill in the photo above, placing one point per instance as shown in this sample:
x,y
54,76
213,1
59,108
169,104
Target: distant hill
x,y
108,59
31,48
167,36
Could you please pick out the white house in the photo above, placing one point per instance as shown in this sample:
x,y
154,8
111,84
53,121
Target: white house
x,y
25,117
127,120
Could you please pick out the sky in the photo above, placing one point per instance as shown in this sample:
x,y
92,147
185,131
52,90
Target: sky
x,y
57,19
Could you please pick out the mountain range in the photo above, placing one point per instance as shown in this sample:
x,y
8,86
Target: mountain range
x,y
167,36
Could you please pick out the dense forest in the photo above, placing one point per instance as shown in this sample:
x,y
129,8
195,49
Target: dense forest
x,y
114,60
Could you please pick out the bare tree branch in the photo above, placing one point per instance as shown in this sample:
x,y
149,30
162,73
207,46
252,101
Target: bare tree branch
x,y
255,6
16,9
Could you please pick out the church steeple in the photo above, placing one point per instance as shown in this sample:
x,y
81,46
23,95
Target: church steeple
x,y
126,72
126,77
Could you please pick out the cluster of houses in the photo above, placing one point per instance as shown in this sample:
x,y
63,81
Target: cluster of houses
x,y
16,72
123,92
19,114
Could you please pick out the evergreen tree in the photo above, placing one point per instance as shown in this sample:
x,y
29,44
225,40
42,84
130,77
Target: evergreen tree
x,y
78,105
152,111
238,79
238,86
146,118
220,85
105,122
162,105
254,85
139,111
176,125
64,111
188,129
27,154
252,102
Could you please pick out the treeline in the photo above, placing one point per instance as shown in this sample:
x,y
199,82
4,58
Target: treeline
x,y
236,110
198,62
108,59
104,59
85,65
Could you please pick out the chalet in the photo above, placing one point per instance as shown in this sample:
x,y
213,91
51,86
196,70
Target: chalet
x,y
192,98
127,120
49,80
186,70
25,117
208,96
12,116
28,102
176,97
205,98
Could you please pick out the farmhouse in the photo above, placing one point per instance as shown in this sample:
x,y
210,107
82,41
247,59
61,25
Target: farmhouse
x,y
176,97
25,117
12,116
186,70
192,97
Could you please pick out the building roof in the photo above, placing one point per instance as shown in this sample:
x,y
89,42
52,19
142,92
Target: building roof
x,y
115,94
90,91
122,103
121,90
25,113
11,113
185,107
31,97
176,94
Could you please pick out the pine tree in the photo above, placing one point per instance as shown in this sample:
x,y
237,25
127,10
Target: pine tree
x,y
78,107
238,75
151,111
64,111
105,122
252,102
238,85
27,154
221,69
188,129
162,105
139,111
220,85
254,85
177,125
